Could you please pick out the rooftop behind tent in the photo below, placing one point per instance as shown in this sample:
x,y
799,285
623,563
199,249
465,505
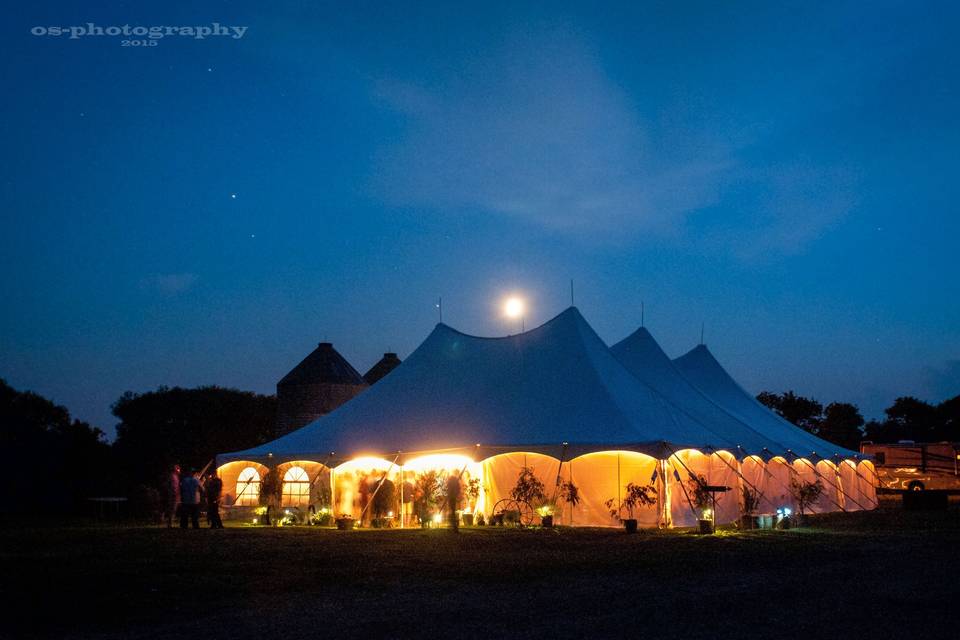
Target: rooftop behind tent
x,y
555,384
385,365
323,365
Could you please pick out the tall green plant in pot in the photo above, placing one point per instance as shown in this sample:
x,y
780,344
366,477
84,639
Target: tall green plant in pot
x,y
750,502
471,491
805,494
702,502
427,494
636,497
530,489
566,493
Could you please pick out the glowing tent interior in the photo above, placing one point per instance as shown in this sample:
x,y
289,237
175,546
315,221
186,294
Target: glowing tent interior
x,y
846,473
553,400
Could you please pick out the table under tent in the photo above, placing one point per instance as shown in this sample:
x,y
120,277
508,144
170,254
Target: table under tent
x,y
557,402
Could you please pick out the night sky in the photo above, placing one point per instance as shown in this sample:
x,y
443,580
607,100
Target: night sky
x,y
206,211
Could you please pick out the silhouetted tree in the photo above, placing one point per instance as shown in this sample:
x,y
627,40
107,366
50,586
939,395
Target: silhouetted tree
x,y
948,420
911,419
842,424
187,426
53,462
806,413
912,415
770,400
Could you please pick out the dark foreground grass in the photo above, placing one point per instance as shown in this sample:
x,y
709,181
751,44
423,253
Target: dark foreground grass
x,y
883,574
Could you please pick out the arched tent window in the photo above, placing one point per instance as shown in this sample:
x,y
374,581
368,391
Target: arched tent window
x,y
248,488
296,488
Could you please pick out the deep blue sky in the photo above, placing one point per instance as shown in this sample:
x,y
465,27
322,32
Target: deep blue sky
x,y
786,174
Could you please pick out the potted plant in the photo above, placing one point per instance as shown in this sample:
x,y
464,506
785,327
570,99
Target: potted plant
x,y
471,492
528,489
345,521
566,492
288,517
427,491
805,494
323,517
702,503
637,496
751,502
545,511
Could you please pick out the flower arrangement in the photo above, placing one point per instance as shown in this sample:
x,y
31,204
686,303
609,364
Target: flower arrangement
x,y
323,517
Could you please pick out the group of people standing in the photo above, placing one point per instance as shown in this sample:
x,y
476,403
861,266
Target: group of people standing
x,y
184,493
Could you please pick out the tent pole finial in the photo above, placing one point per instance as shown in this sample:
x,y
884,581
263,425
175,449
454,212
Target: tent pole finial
x,y
571,292
440,308
701,334
642,322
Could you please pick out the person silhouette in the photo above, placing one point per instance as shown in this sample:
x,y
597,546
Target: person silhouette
x,y
170,494
190,500
213,488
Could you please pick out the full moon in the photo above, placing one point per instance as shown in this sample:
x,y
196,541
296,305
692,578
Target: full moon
x,y
513,307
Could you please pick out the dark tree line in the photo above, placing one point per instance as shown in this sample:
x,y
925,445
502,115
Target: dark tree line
x,y
51,461
188,427
841,423
55,462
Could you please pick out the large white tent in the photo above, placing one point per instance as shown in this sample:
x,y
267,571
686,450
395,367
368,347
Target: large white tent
x,y
553,399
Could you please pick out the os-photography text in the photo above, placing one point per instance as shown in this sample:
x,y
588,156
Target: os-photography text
x,y
153,33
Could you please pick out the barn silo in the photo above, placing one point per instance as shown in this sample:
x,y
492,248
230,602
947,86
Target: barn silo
x,y
323,381
385,365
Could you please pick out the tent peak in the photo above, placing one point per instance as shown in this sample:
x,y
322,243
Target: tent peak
x,y
640,341
570,314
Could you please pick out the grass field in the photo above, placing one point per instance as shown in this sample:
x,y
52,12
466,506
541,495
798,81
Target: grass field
x,y
884,574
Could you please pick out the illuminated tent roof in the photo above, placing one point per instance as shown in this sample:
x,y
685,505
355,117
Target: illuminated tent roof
x,y
640,354
702,370
555,384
